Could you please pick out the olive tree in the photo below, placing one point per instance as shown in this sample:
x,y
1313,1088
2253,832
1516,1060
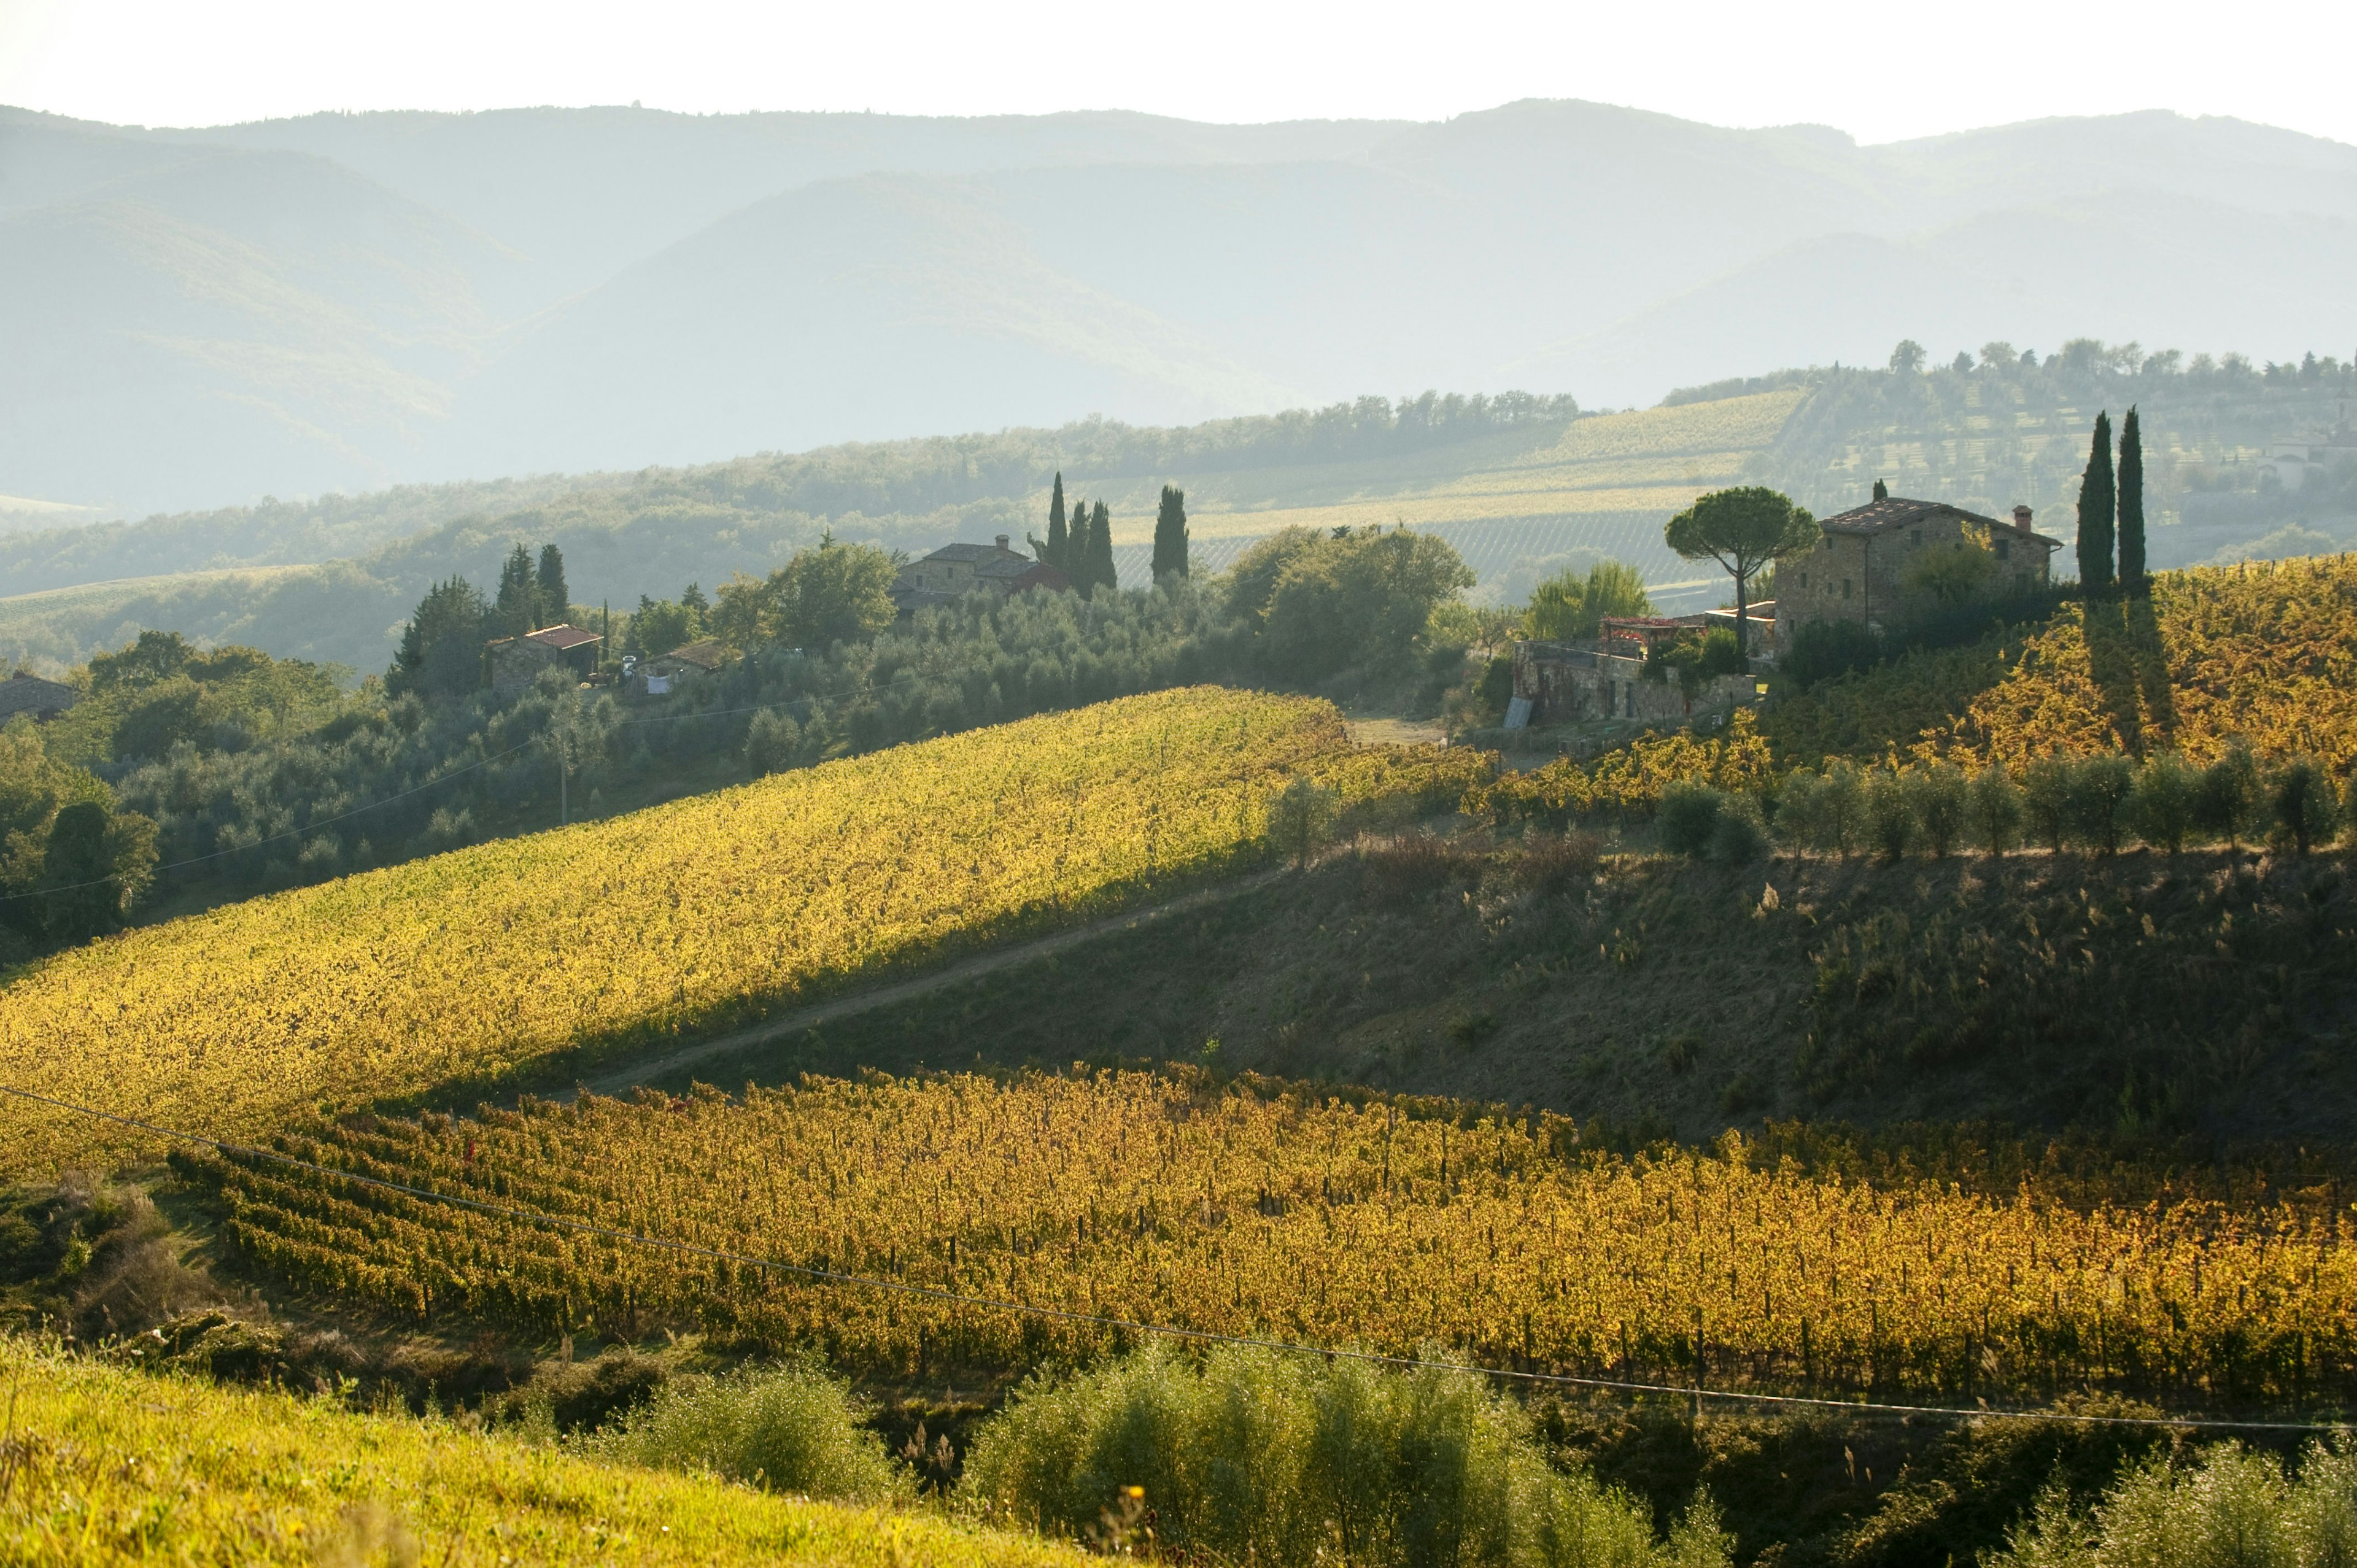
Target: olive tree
x,y
1743,530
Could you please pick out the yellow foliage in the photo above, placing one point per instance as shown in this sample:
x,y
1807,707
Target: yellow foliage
x,y
107,1465
1297,1217
1630,778
561,948
2265,651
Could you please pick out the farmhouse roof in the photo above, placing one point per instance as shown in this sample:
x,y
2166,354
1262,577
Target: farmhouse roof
x,y
563,638
1898,511
708,654
25,692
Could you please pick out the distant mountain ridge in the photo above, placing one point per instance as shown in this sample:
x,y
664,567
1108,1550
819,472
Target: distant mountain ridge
x,y
344,302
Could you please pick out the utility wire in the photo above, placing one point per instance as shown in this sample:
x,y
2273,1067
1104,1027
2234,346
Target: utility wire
x,y
1171,1331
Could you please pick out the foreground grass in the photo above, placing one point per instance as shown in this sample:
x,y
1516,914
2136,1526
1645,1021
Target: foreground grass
x,y
101,1464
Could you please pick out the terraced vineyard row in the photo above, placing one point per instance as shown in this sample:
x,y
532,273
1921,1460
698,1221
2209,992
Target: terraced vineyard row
x,y
549,952
1306,1219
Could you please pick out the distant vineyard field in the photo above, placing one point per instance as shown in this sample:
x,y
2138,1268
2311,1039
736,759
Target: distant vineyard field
x,y
1297,1216
561,947
1501,551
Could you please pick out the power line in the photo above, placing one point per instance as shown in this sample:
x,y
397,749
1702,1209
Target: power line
x,y
1171,1331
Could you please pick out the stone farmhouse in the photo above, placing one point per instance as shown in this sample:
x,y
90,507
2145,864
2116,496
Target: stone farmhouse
x,y
25,692
517,662
953,571
1860,568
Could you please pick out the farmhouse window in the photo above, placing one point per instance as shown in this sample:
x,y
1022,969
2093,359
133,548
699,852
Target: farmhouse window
x,y
1844,587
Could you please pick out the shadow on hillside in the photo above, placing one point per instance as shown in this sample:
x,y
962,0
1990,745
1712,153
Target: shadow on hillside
x,y
2129,661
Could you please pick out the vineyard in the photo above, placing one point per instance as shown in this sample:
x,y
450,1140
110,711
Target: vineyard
x,y
543,953
1297,1217
2265,652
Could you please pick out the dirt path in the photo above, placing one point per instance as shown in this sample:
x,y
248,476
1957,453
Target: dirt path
x,y
974,968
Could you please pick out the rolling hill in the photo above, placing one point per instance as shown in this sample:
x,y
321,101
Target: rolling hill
x,y
587,289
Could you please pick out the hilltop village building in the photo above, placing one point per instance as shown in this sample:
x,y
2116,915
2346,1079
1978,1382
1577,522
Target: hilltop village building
x,y
1860,568
953,571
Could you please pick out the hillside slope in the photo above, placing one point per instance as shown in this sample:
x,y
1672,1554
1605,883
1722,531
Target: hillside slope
x,y
1220,269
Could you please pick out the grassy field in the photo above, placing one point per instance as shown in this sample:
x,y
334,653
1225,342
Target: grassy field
x,y
105,1465
539,954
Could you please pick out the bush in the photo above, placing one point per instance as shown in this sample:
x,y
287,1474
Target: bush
x,y
2303,804
2163,805
772,741
1996,810
2227,802
1414,866
2230,1506
1824,649
1253,1456
2046,800
1738,837
1688,818
1942,804
789,1429
1889,814
2096,796
1551,863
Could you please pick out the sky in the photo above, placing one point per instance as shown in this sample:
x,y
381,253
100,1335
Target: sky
x,y
1878,70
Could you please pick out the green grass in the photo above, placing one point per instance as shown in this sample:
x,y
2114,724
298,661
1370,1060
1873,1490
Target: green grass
x,y
109,1465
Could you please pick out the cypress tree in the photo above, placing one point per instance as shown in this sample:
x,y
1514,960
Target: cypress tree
x,y
1101,572
1170,534
555,598
1058,553
2131,503
2096,499
519,588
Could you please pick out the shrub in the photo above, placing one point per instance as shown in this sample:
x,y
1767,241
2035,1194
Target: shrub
x,y
1800,819
1822,649
2226,805
1688,817
1889,814
2305,806
2096,799
1414,866
1250,1455
2162,806
1843,805
772,741
2046,800
1942,806
2228,1505
1551,861
1996,810
790,1428
1738,837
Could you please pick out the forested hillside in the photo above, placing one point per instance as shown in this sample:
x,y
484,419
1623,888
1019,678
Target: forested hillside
x,y
1519,485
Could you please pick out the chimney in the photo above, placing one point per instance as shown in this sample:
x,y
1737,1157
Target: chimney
x,y
2021,518
1002,540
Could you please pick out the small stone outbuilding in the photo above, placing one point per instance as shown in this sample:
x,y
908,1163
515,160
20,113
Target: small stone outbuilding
x,y
25,692
517,662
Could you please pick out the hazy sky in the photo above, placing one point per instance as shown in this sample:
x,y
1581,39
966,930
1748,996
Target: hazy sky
x,y
1877,70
